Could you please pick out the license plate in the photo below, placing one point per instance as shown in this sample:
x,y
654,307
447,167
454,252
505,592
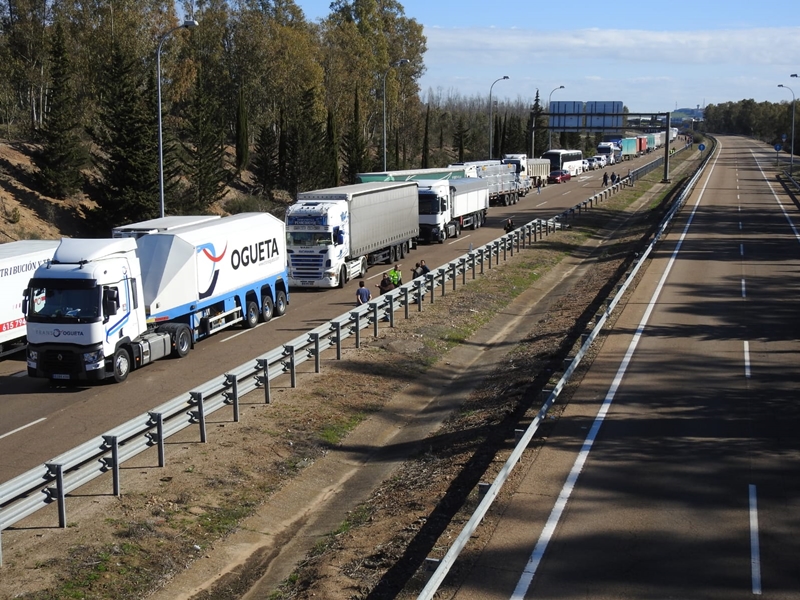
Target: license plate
x,y
306,283
59,376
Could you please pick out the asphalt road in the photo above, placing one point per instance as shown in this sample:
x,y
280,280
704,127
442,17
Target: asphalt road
x,y
39,422
675,470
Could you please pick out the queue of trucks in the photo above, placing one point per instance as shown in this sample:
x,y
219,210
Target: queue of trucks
x,y
95,309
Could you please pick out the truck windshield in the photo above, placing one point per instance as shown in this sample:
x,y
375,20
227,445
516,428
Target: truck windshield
x,y
429,204
309,238
53,302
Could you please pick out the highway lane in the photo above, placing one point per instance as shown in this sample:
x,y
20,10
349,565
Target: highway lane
x,y
675,472
38,422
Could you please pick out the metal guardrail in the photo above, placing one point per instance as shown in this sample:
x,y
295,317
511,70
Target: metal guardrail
x,y
446,563
52,481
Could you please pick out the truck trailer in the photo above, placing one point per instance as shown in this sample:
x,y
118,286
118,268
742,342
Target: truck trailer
x,y
502,180
103,307
18,261
160,225
450,205
629,148
335,234
417,174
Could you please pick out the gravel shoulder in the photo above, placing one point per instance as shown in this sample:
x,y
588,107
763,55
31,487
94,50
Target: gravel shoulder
x,y
342,486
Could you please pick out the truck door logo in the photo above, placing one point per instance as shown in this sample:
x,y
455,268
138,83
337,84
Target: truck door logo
x,y
210,274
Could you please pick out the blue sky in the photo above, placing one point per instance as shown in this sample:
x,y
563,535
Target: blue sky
x,y
650,55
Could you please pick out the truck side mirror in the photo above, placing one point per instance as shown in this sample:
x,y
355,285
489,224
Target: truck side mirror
x,y
25,302
110,301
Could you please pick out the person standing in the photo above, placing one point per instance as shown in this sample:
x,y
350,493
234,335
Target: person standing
x,y
396,276
425,268
538,185
386,284
363,295
605,179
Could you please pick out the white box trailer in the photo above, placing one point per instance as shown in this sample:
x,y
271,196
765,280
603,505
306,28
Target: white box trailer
x,y
335,234
18,261
160,225
110,306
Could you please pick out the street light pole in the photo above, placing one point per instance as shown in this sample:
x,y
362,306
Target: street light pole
x,y
490,113
187,24
791,155
550,136
398,63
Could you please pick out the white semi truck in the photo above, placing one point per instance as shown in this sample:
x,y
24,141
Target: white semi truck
x,y
528,170
18,261
103,307
335,234
450,205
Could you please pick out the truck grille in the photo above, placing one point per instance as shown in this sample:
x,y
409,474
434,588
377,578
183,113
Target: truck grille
x,y
61,361
306,266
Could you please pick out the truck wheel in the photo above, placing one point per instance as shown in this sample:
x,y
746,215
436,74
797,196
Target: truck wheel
x,y
267,308
401,250
280,304
183,341
251,315
458,230
363,272
342,276
122,365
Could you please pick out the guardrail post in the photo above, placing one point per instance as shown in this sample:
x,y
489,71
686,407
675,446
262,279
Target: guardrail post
x,y
263,365
57,471
317,359
489,256
373,306
404,291
463,264
453,275
113,444
443,273
199,414
292,365
158,422
337,327
391,308
357,320
232,395
431,277
480,253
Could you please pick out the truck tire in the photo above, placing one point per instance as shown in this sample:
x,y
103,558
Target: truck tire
x,y
251,314
280,303
267,308
363,272
342,276
401,250
122,365
183,341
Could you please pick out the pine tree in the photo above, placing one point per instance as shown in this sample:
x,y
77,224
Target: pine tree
x,y
425,142
354,146
127,159
242,135
62,154
204,152
460,137
331,152
265,159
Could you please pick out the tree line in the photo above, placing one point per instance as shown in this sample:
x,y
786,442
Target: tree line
x,y
254,99
766,121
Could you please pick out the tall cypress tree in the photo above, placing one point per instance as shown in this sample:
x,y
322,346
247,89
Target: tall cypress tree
x,y
332,152
265,159
425,142
62,154
242,135
126,139
354,146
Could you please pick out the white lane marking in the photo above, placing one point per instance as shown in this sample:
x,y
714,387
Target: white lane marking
x,y
774,195
20,374
744,292
741,249
23,427
540,204
235,335
567,192
561,503
755,552
747,360
740,225
455,241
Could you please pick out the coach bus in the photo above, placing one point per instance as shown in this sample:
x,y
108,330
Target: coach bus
x,y
571,160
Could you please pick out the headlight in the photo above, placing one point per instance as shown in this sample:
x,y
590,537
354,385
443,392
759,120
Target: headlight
x,y
95,357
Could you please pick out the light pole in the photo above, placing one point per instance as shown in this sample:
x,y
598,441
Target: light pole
x,y
187,24
791,155
490,113
398,63
550,136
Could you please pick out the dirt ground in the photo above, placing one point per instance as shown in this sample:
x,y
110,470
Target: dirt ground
x,y
170,519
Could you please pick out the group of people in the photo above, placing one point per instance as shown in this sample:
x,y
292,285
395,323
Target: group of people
x,y
614,178
390,280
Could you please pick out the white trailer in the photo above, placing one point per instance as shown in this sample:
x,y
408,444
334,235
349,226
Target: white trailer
x,y
103,307
502,180
335,234
160,225
448,206
18,261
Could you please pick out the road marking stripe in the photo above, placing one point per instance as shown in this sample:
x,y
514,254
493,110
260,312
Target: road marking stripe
x,y
755,552
741,249
23,427
535,559
774,195
236,335
747,359
744,292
